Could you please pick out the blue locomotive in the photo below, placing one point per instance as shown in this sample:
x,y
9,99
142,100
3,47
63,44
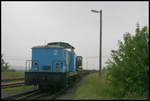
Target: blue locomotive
x,y
53,65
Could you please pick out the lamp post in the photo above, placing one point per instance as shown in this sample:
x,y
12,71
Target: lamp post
x,y
100,50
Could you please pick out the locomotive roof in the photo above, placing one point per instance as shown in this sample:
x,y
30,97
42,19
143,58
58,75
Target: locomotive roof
x,y
63,44
47,46
55,45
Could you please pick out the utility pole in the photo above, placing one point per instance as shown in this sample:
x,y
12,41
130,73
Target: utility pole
x,y
100,75
100,50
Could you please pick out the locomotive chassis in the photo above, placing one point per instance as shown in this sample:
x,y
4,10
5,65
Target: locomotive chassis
x,y
49,80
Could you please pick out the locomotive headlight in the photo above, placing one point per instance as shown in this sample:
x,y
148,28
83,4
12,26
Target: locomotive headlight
x,y
35,66
57,66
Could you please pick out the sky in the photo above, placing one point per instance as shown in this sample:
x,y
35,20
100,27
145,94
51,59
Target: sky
x,y
27,24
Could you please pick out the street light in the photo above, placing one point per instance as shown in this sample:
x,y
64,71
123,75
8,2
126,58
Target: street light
x,y
100,51
95,11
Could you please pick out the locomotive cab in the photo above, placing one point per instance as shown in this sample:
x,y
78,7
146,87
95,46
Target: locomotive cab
x,y
79,63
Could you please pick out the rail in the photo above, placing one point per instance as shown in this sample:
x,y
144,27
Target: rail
x,y
12,82
21,95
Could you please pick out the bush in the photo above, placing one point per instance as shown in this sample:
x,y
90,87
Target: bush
x,y
128,68
5,67
12,70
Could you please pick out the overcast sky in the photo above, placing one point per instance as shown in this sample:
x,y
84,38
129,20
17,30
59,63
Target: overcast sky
x,y
27,24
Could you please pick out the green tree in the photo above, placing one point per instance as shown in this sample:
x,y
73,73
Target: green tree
x,y
128,68
4,65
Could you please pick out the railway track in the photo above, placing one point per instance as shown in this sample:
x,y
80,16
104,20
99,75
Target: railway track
x,y
36,94
12,82
12,85
21,95
44,95
12,79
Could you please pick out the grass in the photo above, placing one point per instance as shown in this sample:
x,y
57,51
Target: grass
x,y
92,88
11,74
